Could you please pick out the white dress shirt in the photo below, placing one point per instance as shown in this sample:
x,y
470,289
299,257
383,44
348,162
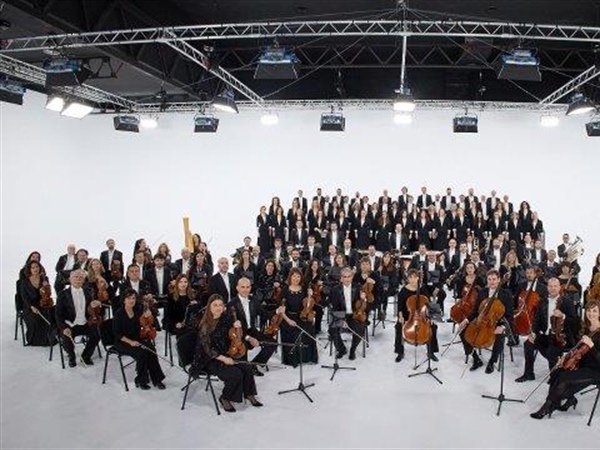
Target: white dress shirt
x,y
79,302
348,297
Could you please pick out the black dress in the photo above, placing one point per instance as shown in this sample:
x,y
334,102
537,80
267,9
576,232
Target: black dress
x,y
38,332
175,311
238,379
264,239
289,335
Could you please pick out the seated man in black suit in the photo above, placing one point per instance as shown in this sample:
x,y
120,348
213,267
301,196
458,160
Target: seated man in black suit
x,y
247,312
72,318
159,278
222,282
133,281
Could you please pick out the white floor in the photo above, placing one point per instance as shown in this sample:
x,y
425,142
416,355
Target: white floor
x,y
376,406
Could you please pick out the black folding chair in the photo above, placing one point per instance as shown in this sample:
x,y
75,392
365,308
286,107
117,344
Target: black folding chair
x,y
61,346
19,314
186,344
597,389
108,339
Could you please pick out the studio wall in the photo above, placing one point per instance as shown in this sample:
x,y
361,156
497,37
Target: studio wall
x,y
67,180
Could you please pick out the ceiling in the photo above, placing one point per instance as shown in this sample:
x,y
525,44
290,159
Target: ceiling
x,y
332,68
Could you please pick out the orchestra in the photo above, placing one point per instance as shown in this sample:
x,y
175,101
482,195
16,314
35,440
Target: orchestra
x,y
328,266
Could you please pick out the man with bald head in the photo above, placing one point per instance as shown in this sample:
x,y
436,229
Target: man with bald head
x,y
247,310
544,341
222,282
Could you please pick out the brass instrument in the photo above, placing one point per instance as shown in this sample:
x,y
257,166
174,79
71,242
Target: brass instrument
x,y
575,250
187,235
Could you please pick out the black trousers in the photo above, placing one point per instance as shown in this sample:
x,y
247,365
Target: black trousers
x,y
546,346
238,379
319,311
266,350
566,383
146,363
93,337
354,325
496,349
432,345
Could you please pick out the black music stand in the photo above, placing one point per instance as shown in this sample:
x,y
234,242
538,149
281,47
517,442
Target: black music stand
x,y
339,323
297,346
501,398
428,370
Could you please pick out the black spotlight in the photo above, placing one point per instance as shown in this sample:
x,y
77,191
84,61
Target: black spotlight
x,y
467,123
205,124
127,123
65,72
333,121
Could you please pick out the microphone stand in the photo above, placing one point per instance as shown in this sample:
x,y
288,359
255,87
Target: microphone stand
x,y
500,398
301,386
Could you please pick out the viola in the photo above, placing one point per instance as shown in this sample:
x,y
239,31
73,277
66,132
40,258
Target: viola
x,y
237,348
417,329
317,288
102,288
573,358
523,318
594,290
308,305
95,315
46,296
463,308
360,311
147,329
481,332
368,289
273,327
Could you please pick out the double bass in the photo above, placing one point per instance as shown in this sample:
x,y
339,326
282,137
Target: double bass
x,y
528,303
417,329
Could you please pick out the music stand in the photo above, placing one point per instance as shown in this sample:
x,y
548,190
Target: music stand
x,y
301,386
339,322
500,398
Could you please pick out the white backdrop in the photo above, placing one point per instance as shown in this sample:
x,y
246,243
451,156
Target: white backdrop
x,y
65,180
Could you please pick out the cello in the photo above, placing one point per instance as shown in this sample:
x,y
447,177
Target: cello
x,y
528,304
481,332
417,329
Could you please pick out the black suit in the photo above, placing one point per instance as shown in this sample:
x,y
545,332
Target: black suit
x,y
403,243
152,279
117,255
316,254
338,242
65,311
177,267
298,239
62,275
144,289
445,205
338,304
216,285
423,201
249,327
490,205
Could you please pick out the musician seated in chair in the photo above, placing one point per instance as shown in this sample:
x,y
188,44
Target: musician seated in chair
x,y
555,330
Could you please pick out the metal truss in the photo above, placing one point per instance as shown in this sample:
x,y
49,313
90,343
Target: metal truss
x,y
340,28
32,74
570,86
360,104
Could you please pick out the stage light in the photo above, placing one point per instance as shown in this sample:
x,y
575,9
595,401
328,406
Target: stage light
x,y
277,63
403,118
404,100
149,122
76,109
127,123
11,92
520,64
269,118
580,104
55,103
333,121
466,123
65,72
225,102
593,127
205,124
549,121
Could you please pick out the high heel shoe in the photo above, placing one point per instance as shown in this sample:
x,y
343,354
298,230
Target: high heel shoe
x,y
226,404
571,401
546,410
253,401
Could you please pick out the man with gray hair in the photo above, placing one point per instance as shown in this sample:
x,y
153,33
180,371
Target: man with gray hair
x,y
72,317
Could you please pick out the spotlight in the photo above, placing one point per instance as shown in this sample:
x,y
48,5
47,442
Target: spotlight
x,y
520,64
55,103
225,102
403,118
11,92
269,118
549,121
76,109
149,122
593,128
333,121
580,104
466,123
277,63
127,123
65,72
205,124
404,100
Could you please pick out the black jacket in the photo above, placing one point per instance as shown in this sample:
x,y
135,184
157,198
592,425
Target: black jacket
x,y
65,307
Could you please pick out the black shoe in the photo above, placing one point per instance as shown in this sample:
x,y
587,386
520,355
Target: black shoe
x,y
571,401
477,363
352,355
341,353
226,404
72,362
546,410
253,401
433,357
399,357
256,372
160,385
87,361
143,386
525,377
490,367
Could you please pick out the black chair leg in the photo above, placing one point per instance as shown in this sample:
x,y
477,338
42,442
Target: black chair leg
x,y
99,351
16,326
212,391
166,342
60,349
170,351
185,394
22,331
594,407
105,368
123,373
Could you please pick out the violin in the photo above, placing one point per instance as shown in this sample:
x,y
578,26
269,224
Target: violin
x,y
95,315
557,328
463,308
481,332
147,329
594,290
573,357
46,296
528,303
360,310
273,327
568,287
417,329
102,288
317,288
308,313
368,289
237,348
